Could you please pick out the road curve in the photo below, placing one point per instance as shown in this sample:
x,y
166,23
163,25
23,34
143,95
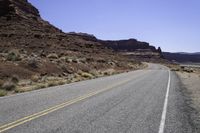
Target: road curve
x,y
142,101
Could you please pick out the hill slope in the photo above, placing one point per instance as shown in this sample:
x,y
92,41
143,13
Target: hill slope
x,y
35,52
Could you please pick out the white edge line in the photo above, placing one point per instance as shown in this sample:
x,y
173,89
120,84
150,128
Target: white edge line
x,y
164,112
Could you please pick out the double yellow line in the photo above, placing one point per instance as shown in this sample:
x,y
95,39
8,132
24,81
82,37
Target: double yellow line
x,y
57,107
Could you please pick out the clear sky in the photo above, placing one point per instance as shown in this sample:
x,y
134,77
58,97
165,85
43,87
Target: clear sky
x,y
172,24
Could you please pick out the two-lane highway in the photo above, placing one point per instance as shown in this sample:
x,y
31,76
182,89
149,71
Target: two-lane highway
x,y
143,101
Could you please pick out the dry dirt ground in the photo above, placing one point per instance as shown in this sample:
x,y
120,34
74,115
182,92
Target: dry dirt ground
x,y
191,85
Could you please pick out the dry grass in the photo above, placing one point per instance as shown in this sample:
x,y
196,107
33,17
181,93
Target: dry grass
x,y
56,83
86,75
179,68
37,86
30,88
38,82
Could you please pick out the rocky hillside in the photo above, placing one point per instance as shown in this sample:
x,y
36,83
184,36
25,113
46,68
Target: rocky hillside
x,y
35,54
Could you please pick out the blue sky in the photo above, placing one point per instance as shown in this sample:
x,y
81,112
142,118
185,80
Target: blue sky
x,y
174,25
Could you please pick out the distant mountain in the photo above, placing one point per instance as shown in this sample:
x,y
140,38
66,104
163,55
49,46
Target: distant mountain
x,y
129,45
185,53
197,53
182,57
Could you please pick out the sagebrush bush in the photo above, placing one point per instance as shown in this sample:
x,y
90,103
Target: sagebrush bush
x,y
1,82
35,78
39,86
13,56
32,62
15,79
86,75
2,93
52,56
9,85
52,83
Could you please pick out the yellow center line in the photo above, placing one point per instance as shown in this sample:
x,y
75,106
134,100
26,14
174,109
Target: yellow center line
x,y
57,107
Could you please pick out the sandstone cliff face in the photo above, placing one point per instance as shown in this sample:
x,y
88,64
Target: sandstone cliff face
x,y
129,45
132,48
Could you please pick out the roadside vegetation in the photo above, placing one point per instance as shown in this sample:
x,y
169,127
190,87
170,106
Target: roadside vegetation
x,y
20,72
179,68
14,85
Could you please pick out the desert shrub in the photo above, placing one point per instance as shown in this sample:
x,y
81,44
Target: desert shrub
x,y
38,36
111,63
25,82
55,83
3,93
64,67
188,70
1,82
76,60
182,67
52,56
106,73
13,56
63,58
40,86
9,85
50,84
83,60
35,78
61,82
15,79
19,90
32,62
101,60
95,73
89,59
175,69
69,60
109,72
86,75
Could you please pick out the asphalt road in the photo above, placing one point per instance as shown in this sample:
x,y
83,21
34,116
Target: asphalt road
x,y
143,101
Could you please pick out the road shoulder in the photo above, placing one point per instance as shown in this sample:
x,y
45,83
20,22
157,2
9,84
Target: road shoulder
x,y
190,89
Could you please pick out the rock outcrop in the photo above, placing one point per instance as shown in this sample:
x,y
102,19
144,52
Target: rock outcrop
x,y
132,48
